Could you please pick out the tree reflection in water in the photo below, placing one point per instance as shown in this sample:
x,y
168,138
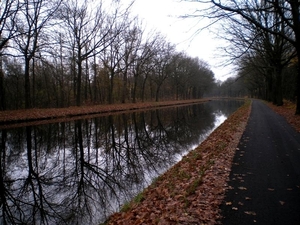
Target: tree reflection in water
x,y
80,172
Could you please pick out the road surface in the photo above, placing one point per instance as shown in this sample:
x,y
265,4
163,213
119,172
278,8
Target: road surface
x,y
265,177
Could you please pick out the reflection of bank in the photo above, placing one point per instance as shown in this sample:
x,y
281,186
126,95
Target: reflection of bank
x,y
82,171
219,119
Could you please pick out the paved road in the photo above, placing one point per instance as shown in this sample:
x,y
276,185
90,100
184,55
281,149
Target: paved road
x,y
265,176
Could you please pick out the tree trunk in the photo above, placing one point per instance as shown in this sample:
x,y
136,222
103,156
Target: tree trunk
x,y
134,89
96,87
157,92
74,77
296,20
87,80
2,90
79,75
27,85
298,85
33,84
279,98
143,87
111,88
268,90
297,45
124,91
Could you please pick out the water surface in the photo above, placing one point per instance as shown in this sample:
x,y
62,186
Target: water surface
x,y
79,172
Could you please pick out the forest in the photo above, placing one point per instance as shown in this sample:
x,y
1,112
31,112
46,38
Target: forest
x,y
66,53
72,53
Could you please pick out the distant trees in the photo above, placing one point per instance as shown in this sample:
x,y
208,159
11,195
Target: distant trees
x,y
264,36
190,76
64,53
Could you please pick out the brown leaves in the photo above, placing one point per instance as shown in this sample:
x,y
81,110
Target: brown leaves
x,y
38,114
281,202
242,188
250,213
288,111
192,190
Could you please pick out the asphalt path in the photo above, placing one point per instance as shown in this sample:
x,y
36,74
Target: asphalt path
x,y
264,186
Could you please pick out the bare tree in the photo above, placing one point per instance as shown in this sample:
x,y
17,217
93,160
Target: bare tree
x,y
163,58
8,12
143,66
32,19
133,39
287,15
90,31
111,59
247,41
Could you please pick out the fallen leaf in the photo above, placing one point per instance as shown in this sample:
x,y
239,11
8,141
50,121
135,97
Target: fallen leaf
x,y
166,200
250,213
242,188
281,202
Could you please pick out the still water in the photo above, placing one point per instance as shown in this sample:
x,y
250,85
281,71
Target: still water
x,y
79,172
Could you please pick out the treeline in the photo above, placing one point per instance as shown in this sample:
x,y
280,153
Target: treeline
x,y
255,83
258,78
64,53
264,43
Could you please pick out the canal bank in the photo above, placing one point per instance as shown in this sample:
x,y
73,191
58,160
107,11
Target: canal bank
x,y
191,191
84,170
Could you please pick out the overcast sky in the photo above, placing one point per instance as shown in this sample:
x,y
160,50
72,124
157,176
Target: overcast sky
x,y
163,15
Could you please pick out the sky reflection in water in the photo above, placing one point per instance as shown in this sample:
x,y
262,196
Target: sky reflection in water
x,y
82,171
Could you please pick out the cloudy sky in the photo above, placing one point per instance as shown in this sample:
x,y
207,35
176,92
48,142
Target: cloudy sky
x,y
163,15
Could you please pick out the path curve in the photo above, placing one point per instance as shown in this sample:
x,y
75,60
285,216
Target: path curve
x,y
264,186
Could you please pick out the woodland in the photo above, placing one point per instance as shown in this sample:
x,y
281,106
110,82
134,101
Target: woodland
x,y
73,53
56,54
263,43
59,54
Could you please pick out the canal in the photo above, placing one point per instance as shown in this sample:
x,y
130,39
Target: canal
x,y
79,172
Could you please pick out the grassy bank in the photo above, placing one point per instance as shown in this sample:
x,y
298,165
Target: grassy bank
x,y
191,191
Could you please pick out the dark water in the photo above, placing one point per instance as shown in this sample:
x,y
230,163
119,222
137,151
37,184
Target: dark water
x,y
79,172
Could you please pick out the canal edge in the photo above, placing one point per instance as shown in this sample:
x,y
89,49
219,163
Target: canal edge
x,y
206,169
